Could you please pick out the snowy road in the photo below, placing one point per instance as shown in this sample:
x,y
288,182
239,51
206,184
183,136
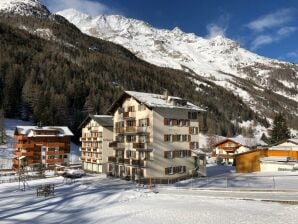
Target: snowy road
x,y
285,196
101,200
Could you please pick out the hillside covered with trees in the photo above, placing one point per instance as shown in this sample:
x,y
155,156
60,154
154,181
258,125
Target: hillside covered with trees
x,y
51,72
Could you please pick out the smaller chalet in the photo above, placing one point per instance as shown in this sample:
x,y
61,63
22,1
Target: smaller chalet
x,y
227,148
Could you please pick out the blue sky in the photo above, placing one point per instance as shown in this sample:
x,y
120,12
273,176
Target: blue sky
x,y
269,28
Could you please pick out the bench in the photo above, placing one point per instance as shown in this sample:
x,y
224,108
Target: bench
x,y
45,190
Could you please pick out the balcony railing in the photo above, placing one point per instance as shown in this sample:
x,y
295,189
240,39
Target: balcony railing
x,y
131,129
139,145
55,152
127,161
119,130
20,137
111,159
54,161
25,145
24,153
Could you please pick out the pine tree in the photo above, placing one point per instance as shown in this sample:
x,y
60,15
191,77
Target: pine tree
x,y
2,128
280,130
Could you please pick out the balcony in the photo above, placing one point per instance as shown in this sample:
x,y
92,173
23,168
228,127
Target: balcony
x,y
25,146
20,137
82,158
127,161
112,159
54,144
113,144
55,161
55,152
120,160
24,153
129,115
139,145
131,129
119,130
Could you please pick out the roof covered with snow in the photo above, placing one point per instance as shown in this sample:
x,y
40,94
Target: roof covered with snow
x,y
29,130
153,100
102,120
248,142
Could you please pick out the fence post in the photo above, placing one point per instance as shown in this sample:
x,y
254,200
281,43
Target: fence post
x,y
227,181
273,182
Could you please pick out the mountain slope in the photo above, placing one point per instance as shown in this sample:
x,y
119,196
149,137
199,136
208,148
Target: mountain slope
x,y
53,73
24,8
266,85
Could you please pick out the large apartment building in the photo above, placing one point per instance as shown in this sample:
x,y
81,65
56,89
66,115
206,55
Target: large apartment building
x,y
97,133
42,146
155,136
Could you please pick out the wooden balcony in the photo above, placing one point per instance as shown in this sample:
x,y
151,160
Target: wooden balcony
x,y
54,144
131,129
24,153
20,137
55,152
82,158
54,160
119,130
25,146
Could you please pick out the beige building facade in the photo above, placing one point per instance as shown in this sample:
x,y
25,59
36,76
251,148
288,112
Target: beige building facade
x,y
97,133
154,137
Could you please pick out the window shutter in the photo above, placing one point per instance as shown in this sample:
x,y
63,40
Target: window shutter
x,y
148,122
190,130
166,121
189,138
184,169
166,170
166,154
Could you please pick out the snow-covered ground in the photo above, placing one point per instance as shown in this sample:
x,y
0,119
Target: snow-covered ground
x,y
101,200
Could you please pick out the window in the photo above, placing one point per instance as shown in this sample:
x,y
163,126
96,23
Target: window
x,y
178,138
130,138
131,123
141,107
194,145
144,138
131,109
144,122
169,154
193,130
192,115
167,138
184,138
169,170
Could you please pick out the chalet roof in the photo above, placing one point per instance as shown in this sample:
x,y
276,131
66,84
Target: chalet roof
x,y
292,140
103,120
248,142
153,100
28,130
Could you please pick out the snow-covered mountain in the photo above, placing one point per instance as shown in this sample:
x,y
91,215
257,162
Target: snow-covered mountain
x,y
23,7
219,59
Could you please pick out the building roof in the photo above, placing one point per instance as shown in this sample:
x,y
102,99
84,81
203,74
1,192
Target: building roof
x,y
248,142
103,120
292,140
153,100
28,130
